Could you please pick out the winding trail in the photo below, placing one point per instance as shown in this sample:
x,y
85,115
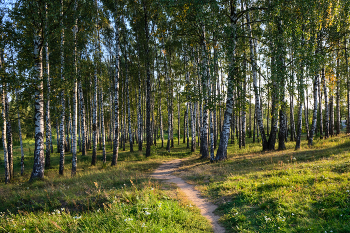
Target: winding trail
x,y
164,172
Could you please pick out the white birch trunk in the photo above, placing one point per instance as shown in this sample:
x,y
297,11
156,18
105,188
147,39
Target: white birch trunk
x,y
225,133
48,120
116,94
326,105
102,128
75,97
4,139
39,157
94,107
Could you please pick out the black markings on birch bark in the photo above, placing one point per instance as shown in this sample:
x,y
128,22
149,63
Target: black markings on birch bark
x,y
4,134
148,86
258,106
326,104
75,96
39,158
47,115
62,123
116,93
9,138
314,116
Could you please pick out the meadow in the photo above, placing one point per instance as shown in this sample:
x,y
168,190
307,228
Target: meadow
x,y
277,191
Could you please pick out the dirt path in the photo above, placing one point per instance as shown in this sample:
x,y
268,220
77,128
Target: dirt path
x,y
164,172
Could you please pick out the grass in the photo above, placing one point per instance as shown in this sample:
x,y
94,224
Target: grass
x,y
280,191
99,199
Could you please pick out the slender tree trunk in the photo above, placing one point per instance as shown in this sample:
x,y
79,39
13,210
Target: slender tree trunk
x,y
139,113
4,133
326,105
205,85
9,138
314,117
306,107
254,128
178,120
21,142
338,96
185,117
300,111
148,86
63,102
128,103
320,109
216,74
348,85
187,125
103,136
82,123
225,133
94,119
193,127
258,106
48,120
274,113
331,117
160,108
75,97
39,157
116,94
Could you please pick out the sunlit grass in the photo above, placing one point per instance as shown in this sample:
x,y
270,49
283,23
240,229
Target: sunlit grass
x,y
99,198
280,191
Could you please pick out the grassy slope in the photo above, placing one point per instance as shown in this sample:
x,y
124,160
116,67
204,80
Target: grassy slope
x,y
98,199
281,191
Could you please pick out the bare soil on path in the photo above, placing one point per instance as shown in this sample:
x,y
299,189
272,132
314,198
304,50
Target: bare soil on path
x,y
164,172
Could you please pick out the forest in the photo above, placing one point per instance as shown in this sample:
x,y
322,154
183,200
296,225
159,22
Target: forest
x,y
92,89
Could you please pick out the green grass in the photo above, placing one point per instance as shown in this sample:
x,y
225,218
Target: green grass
x,y
278,191
99,198
281,191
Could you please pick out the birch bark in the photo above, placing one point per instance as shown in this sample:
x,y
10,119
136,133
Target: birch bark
x,y
326,105
148,85
205,85
75,97
314,116
258,109
116,94
4,134
48,81
63,102
39,157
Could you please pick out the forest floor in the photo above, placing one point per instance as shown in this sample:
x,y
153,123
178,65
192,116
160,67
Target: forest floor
x,y
277,191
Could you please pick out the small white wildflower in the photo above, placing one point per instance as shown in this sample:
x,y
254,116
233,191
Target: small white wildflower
x,y
98,210
347,191
24,229
292,214
147,213
143,225
152,188
160,229
77,217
